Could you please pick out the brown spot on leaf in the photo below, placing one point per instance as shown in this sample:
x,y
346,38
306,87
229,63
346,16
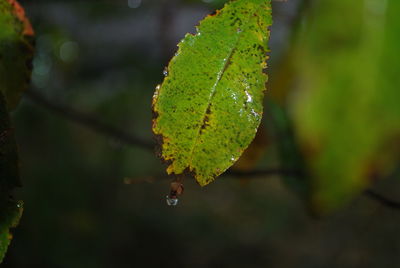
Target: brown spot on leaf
x,y
206,119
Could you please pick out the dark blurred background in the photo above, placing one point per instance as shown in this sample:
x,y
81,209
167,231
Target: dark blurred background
x,y
92,200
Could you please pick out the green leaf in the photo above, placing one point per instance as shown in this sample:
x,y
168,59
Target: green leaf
x,y
209,106
16,51
11,212
347,110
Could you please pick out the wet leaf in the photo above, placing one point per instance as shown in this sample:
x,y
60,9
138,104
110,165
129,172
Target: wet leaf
x,y
16,51
347,110
209,106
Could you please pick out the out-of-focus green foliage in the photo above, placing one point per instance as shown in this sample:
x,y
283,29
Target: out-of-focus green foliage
x,y
346,109
11,212
209,106
15,57
9,179
16,51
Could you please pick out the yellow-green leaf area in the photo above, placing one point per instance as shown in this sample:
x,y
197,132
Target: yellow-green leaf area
x,y
347,110
16,51
209,106
11,212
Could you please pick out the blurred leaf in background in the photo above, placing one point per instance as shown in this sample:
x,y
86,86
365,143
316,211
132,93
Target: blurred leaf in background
x,y
346,104
16,54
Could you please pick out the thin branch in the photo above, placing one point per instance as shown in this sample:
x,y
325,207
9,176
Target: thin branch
x,y
382,199
87,120
96,125
264,172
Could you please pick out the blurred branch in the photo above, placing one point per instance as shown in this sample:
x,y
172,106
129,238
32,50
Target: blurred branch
x,y
386,202
265,172
96,125
87,120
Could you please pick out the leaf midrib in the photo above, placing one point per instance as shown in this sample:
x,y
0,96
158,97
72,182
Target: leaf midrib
x,y
219,76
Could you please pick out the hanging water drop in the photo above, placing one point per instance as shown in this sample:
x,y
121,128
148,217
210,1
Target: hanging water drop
x,y
176,190
172,201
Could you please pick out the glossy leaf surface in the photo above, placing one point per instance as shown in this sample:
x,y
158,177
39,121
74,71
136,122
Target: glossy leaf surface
x,y
16,51
209,106
347,110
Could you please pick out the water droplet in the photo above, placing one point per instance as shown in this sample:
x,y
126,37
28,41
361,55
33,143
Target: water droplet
x,y
255,114
172,201
249,98
234,96
155,95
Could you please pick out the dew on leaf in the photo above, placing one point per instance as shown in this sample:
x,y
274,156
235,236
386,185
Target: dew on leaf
x,y
210,67
249,98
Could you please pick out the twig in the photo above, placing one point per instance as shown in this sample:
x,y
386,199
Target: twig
x,y
382,199
87,120
96,125
264,172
